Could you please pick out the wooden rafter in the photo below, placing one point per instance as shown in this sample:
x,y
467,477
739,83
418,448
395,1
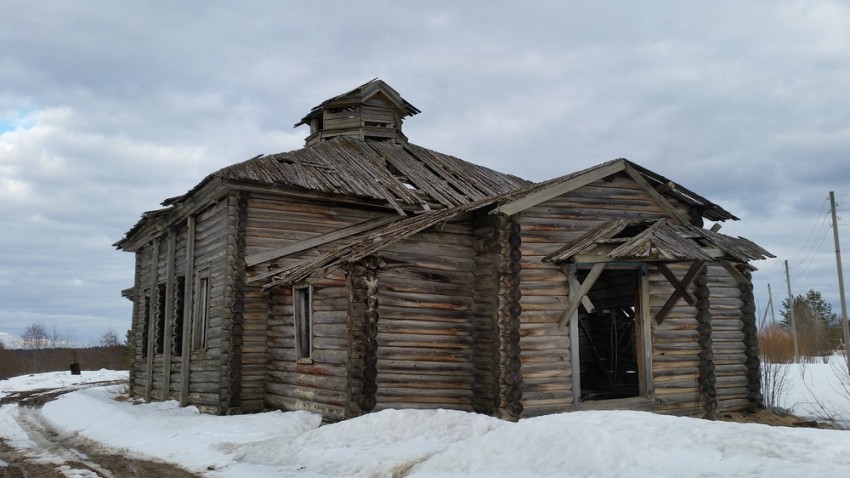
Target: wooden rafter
x,y
316,241
556,189
676,295
655,195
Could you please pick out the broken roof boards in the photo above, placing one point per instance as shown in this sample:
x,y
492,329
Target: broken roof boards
x,y
364,272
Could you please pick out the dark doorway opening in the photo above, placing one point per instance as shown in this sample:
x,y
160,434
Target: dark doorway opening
x,y
608,355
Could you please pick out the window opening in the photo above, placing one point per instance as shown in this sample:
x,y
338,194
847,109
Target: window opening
x,y
302,307
201,315
160,319
146,322
608,355
177,325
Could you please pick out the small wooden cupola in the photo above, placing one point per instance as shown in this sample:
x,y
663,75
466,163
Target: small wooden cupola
x,y
372,111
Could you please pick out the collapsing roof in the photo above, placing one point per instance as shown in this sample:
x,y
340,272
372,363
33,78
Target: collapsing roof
x,y
636,239
657,239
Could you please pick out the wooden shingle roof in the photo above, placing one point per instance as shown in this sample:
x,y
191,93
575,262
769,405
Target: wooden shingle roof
x,y
402,174
658,240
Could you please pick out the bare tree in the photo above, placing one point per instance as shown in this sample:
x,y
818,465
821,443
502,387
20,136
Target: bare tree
x,y
35,337
109,339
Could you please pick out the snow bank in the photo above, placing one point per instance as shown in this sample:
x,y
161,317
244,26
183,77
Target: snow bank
x,y
165,430
58,380
819,390
439,443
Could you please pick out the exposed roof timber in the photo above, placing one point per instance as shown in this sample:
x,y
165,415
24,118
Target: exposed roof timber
x,y
656,240
345,232
534,195
655,195
712,211
371,243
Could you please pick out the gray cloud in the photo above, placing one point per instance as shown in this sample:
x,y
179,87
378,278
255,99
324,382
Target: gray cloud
x,y
107,108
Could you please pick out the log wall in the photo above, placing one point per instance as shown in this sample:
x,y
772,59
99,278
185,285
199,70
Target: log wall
x,y
209,253
485,314
675,347
269,356
546,367
425,329
728,337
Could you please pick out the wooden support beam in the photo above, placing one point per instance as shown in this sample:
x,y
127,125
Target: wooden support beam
x,y
316,241
152,308
666,187
647,384
658,198
734,272
577,293
188,316
674,281
674,297
585,300
558,188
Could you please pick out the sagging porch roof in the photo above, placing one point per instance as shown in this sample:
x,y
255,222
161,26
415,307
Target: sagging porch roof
x,y
656,240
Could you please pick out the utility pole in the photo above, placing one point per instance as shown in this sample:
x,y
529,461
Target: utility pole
x,y
791,312
770,303
767,309
844,326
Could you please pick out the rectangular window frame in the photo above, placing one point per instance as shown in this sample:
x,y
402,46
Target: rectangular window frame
x,y
201,313
302,311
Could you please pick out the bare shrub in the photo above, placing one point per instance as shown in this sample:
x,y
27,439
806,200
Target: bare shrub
x,y
777,350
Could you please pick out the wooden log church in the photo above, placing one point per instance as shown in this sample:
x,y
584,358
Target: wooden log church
x,y
364,272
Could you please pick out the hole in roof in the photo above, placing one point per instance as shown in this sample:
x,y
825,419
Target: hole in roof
x,y
631,231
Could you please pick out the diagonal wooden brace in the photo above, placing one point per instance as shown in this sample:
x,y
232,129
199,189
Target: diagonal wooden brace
x,y
674,281
577,293
683,285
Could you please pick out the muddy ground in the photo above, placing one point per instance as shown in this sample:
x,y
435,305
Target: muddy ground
x,y
55,455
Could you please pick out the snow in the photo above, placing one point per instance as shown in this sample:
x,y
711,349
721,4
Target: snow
x,y
820,390
443,443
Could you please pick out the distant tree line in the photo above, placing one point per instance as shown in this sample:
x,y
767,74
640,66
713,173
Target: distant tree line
x,y
39,350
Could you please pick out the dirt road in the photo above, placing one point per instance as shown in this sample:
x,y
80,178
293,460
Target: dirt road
x,y
39,451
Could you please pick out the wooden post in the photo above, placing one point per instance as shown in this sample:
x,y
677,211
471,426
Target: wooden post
x,y
153,311
791,311
844,327
575,355
188,311
647,379
169,314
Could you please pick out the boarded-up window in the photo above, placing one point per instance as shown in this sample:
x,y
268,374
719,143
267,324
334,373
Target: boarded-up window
x,y
302,306
177,330
201,315
160,319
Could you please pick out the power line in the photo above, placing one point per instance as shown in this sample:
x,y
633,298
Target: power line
x,y
822,215
821,238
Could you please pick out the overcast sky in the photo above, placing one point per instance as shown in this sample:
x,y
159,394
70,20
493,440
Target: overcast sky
x,y
107,108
